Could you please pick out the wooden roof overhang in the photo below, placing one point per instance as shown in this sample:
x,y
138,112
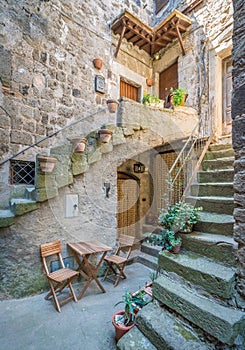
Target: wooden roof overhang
x,y
147,38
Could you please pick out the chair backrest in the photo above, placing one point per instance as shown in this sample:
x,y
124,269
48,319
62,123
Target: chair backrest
x,y
125,244
51,248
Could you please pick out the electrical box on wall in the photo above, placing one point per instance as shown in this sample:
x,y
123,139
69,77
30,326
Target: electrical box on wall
x,y
71,205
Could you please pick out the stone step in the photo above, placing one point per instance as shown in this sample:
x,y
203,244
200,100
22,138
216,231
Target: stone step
x,y
218,164
219,154
221,224
135,340
220,146
6,218
150,249
20,206
150,228
163,330
223,323
147,260
218,247
220,205
212,276
224,189
215,176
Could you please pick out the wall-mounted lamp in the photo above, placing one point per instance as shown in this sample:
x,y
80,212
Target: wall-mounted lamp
x,y
156,56
107,187
139,167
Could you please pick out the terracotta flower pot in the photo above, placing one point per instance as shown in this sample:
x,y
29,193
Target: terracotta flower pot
x,y
112,105
176,249
79,144
120,329
98,63
105,135
46,163
149,81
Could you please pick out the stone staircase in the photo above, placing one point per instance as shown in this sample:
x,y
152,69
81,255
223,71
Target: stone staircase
x,y
195,301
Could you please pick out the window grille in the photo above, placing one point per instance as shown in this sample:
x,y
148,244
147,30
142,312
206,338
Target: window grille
x,y
22,172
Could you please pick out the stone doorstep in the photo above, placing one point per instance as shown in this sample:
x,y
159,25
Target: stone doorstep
x,y
219,247
218,205
226,175
224,189
223,323
135,340
212,276
166,331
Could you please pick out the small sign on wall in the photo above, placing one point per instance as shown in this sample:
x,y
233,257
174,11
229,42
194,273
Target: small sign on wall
x,y
100,84
71,205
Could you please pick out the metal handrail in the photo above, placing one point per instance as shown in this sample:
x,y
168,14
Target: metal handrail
x,y
51,135
189,146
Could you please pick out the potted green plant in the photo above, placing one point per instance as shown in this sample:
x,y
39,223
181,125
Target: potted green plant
x,y
180,217
123,320
179,96
149,99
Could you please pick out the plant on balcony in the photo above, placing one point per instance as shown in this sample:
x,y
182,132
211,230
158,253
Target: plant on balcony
x,y
149,99
179,96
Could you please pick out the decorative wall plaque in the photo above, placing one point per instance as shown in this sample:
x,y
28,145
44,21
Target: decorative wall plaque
x,y
100,84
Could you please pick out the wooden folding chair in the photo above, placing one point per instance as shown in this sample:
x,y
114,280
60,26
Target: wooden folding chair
x,y
60,278
116,263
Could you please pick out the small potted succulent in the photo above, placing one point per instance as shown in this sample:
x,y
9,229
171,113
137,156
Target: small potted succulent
x,y
124,320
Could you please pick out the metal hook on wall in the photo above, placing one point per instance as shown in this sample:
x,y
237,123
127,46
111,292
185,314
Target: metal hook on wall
x,y
107,187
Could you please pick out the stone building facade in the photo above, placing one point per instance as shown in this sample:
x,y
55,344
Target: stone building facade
x,y
48,82
238,127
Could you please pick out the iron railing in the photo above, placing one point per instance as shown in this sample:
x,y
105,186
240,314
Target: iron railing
x,y
51,135
184,169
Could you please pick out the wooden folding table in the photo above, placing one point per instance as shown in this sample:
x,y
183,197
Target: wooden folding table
x,y
88,267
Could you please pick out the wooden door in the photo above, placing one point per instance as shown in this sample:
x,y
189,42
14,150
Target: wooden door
x,y
162,164
127,206
167,79
226,96
129,91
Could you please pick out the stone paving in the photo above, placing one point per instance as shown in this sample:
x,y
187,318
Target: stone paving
x,y
34,324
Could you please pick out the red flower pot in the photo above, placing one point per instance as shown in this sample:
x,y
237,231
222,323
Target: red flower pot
x,y
120,329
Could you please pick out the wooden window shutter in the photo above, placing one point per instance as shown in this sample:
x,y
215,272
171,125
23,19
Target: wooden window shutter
x,y
129,91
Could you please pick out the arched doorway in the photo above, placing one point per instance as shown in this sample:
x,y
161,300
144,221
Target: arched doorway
x,y
127,204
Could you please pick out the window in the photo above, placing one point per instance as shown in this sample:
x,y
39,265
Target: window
x,y
160,4
22,172
129,90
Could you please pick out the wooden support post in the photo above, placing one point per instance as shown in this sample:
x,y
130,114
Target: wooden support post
x,y
180,39
120,40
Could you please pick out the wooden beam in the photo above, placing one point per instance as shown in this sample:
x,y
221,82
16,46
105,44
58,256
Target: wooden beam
x,y
180,39
120,39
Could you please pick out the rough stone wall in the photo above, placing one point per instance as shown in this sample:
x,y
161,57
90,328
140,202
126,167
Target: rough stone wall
x,y
208,38
238,135
47,75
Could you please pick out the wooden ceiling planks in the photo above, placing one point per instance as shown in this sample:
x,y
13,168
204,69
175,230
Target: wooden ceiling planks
x,y
150,39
